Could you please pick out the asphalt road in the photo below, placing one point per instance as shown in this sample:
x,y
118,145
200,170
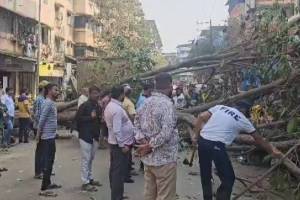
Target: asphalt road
x,y
18,182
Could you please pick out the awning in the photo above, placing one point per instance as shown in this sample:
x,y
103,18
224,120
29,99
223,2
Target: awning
x,y
11,63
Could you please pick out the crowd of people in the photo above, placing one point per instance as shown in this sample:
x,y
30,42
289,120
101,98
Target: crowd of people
x,y
146,130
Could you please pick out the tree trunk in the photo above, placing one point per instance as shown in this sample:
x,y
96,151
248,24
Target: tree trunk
x,y
61,106
254,92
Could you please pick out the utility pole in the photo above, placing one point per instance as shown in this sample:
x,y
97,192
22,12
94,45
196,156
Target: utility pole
x,y
211,35
37,75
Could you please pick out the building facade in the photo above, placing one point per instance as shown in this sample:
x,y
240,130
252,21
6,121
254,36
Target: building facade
x,y
68,29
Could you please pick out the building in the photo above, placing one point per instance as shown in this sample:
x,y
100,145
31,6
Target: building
x,y
85,28
183,51
18,44
68,32
171,58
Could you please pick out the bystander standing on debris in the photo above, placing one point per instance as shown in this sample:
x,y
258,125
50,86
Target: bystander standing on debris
x,y
8,100
24,116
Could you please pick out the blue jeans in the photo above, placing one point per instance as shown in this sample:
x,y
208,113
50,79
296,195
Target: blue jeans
x,y
210,151
8,131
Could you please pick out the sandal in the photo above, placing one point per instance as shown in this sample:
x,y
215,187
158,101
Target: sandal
x,y
95,183
3,169
88,188
47,194
53,186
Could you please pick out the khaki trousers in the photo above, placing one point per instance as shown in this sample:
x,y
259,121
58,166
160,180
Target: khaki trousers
x,y
160,182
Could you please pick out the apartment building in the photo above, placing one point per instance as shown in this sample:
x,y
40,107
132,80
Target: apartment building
x,y
68,31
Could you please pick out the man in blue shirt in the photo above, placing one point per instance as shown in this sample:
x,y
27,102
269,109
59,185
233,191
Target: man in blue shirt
x,y
147,90
46,135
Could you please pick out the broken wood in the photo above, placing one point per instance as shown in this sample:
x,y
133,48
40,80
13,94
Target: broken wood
x,y
283,145
254,92
61,106
185,64
282,160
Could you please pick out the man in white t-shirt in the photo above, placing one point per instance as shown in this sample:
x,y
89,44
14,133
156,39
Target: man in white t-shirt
x,y
218,127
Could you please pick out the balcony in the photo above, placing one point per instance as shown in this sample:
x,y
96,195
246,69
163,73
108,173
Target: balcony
x,y
26,8
86,7
84,36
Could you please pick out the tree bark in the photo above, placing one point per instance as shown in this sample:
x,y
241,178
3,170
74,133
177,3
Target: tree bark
x,y
61,106
186,64
254,92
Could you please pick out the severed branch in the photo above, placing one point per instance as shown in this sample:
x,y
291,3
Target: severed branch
x,y
254,92
282,160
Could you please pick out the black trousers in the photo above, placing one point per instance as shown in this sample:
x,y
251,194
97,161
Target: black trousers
x,y
38,159
48,154
24,125
210,151
117,172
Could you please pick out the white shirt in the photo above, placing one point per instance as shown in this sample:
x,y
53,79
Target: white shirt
x,y
82,99
10,104
120,128
225,124
179,101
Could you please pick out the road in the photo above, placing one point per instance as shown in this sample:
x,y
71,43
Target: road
x,y
18,182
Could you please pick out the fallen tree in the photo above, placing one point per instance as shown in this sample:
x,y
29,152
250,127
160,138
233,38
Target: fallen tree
x,y
265,89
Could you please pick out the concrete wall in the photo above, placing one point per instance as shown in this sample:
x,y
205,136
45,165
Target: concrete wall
x,y
84,36
85,7
26,8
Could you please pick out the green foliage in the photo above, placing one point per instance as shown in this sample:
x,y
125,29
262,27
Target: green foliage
x,y
293,126
272,43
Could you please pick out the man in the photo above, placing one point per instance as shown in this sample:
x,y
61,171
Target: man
x,y
147,90
83,97
37,109
120,139
127,103
88,120
130,109
3,117
179,98
218,127
46,136
103,101
24,116
155,129
8,99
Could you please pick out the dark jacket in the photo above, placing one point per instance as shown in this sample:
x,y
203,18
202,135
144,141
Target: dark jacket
x,y
88,127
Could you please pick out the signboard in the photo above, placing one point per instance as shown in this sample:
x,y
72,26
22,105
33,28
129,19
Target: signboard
x,y
49,70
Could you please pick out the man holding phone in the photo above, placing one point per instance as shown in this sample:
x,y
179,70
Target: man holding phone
x,y
88,123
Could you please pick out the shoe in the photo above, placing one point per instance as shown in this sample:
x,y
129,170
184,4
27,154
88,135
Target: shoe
x,y
134,173
125,197
88,188
26,141
53,186
38,176
95,183
129,180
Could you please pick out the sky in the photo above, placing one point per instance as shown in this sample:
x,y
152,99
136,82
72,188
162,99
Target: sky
x,y
177,19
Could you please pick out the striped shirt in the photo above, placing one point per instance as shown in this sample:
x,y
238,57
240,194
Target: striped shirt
x,y
48,120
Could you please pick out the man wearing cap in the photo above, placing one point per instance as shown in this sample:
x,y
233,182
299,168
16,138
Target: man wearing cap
x,y
218,127
37,108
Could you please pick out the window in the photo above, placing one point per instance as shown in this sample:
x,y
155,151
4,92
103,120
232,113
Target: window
x,y
79,51
45,35
80,22
70,19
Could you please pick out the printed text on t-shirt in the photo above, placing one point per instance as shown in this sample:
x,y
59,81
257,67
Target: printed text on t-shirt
x,y
231,113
